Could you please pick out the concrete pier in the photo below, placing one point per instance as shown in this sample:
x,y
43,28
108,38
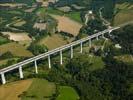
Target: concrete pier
x,y
71,52
21,72
103,36
49,62
97,38
81,47
3,78
90,43
61,61
36,69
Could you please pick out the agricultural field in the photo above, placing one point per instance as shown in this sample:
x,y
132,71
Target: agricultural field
x,y
125,13
12,90
39,89
53,41
67,22
67,93
67,25
17,36
74,15
16,49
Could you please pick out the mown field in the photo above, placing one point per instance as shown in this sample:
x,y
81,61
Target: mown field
x,y
67,93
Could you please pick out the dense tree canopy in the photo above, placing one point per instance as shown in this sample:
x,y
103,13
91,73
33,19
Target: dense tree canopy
x,y
124,36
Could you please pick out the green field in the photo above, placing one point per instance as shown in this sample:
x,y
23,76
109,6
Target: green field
x,y
67,93
40,89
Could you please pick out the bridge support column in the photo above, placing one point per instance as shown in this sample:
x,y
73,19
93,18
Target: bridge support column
x,y
3,78
90,43
36,69
61,62
21,72
49,62
71,52
97,38
109,32
81,47
103,36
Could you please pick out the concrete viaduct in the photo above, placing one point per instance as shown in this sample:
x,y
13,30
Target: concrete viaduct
x,y
54,51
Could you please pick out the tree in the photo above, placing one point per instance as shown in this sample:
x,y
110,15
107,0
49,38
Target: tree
x,y
37,49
